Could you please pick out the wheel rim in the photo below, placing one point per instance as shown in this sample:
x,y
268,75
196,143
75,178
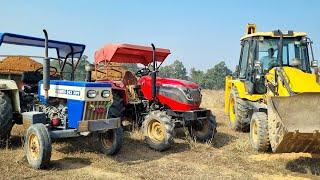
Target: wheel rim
x,y
107,139
156,131
232,111
254,132
34,146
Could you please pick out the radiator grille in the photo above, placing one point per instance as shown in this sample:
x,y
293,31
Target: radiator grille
x,y
91,112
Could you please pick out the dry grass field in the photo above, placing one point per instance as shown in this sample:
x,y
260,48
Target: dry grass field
x,y
228,156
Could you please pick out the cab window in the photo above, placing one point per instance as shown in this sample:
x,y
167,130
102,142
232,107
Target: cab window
x,y
244,59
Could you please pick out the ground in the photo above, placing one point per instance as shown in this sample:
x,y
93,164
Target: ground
x,y
228,156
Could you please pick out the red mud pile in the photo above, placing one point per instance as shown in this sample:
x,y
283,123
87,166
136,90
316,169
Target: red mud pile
x,y
18,65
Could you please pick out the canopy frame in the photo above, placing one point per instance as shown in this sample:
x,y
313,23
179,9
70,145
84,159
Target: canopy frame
x,y
65,50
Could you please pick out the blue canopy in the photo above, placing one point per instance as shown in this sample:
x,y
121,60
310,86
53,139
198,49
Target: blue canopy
x,y
64,49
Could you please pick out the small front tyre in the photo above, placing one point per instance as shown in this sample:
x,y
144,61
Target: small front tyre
x,y
204,130
158,130
38,146
259,135
111,141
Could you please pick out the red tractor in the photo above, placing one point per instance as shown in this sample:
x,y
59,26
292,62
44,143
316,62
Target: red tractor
x,y
157,105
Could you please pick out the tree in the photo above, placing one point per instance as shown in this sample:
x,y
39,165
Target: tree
x,y
79,74
214,78
198,77
175,70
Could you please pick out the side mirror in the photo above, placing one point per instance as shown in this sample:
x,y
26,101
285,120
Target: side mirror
x,y
258,68
314,63
257,65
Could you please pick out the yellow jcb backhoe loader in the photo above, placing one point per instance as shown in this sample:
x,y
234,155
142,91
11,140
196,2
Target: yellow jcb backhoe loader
x,y
275,92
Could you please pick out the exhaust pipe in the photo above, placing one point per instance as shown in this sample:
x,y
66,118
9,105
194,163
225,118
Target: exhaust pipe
x,y
46,68
154,74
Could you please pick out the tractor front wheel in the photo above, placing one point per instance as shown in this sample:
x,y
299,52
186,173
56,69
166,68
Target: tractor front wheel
x,y
158,130
204,130
38,146
111,141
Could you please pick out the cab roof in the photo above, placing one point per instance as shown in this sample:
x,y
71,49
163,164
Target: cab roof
x,y
129,53
64,49
273,34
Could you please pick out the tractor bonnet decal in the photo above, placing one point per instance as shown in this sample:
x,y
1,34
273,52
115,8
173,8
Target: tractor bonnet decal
x,y
68,92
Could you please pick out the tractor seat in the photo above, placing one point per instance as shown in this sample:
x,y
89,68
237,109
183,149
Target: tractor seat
x,y
129,79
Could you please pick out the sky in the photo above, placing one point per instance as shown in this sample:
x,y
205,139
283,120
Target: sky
x,y
198,33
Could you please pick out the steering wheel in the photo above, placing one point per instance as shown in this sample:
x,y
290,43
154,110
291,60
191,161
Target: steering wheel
x,y
53,71
143,72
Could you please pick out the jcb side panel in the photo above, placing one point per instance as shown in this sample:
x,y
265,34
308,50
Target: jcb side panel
x,y
239,85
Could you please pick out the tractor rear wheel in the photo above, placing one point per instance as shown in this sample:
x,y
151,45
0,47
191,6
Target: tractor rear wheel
x,y
239,112
111,141
158,130
6,122
38,146
204,131
259,136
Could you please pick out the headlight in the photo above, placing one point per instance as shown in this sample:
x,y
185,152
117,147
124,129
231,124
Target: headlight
x,y
91,94
105,93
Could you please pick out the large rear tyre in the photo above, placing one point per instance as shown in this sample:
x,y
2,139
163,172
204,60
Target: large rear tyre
x,y
259,136
111,141
38,146
204,130
6,122
239,113
158,130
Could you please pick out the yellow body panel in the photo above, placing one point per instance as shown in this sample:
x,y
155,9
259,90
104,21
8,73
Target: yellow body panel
x,y
241,89
298,80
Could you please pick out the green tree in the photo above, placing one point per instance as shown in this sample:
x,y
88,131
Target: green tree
x,y
214,78
198,77
175,70
79,71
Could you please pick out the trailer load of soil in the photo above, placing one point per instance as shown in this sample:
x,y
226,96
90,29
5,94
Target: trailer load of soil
x,y
18,65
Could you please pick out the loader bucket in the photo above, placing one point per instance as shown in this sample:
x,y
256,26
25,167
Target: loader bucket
x,y
294,123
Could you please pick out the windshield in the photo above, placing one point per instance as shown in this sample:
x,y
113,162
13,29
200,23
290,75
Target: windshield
x,y
294,53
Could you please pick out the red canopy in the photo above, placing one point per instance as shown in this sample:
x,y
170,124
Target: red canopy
x,y
128,53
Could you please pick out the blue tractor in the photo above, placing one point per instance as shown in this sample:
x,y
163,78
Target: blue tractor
x,y
51,107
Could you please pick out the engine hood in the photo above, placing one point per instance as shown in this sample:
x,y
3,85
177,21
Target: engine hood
x,y
170,81
178,95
